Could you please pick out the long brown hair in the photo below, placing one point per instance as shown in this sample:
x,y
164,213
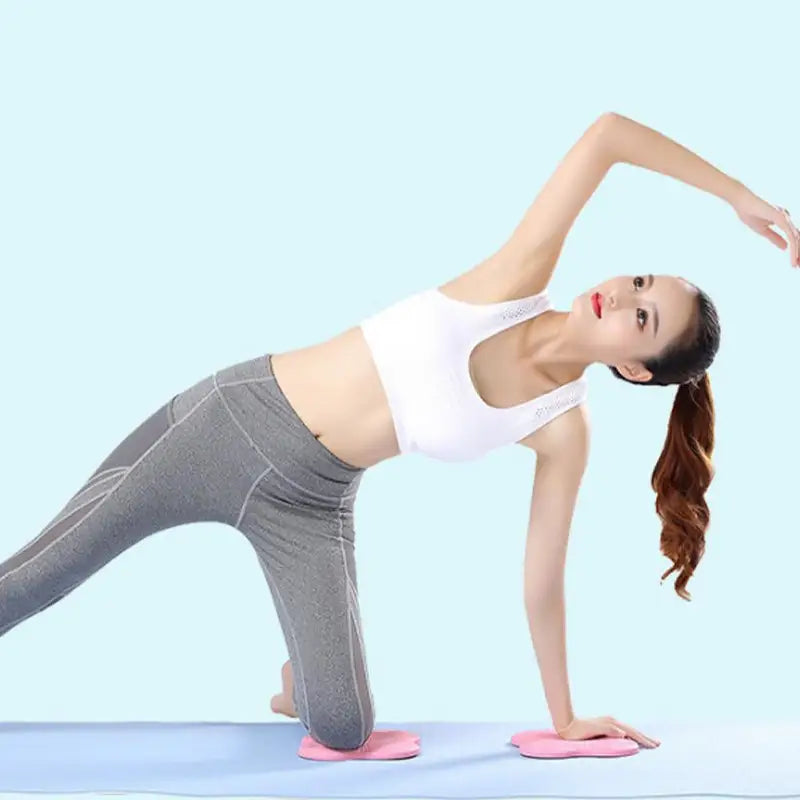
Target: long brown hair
x,y
681,477
684,469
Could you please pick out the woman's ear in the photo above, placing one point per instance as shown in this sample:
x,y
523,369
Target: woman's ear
x,y
635,371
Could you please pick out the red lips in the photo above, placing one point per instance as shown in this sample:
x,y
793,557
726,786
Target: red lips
x,y
597,304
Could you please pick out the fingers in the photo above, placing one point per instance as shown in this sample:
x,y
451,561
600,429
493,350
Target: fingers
x,y
610,727
773,237
793,235
637,736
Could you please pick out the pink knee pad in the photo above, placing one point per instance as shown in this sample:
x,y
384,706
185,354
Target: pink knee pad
x,y
381,745
548,744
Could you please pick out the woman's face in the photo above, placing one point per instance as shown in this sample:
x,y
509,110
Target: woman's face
x,y
639,316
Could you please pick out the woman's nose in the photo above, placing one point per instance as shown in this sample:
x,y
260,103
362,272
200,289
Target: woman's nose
x,y
620,300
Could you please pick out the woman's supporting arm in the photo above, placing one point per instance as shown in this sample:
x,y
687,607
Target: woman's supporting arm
x,y
630,142
560,465
547,626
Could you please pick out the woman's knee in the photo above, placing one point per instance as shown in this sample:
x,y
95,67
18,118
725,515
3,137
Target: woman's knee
x,y
343,728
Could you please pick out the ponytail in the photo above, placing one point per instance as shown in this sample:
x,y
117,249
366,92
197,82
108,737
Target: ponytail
x,y
681,477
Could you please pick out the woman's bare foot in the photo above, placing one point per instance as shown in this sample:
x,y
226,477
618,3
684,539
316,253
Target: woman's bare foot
x,y
283,703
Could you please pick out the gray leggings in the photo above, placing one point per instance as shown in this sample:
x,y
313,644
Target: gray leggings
x,y
231,449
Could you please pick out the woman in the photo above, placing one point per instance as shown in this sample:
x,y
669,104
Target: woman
x,y
276,446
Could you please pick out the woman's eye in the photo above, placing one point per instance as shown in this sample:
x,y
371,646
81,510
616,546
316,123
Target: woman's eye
x,y
638,281
641,315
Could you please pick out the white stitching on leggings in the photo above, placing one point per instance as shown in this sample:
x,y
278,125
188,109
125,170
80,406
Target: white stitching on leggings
x,y
63,515
288,618
264,380
350,612
355,613
247,496
260,452
248,380
89,482
66,511
74,497
99,505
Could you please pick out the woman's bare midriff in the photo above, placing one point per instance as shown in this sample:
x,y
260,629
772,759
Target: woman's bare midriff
x,y
335,389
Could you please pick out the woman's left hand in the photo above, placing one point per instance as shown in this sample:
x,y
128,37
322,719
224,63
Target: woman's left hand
x,y
758,215
593,727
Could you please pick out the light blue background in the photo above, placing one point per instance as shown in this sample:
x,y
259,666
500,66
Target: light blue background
x,y
187,185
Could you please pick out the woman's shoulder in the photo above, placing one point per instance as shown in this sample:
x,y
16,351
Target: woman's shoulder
x,y
565,437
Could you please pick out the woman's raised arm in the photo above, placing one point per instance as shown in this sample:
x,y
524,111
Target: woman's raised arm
x,y
535,244
630,142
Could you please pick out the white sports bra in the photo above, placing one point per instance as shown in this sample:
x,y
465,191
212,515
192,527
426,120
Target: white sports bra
x,y
421,347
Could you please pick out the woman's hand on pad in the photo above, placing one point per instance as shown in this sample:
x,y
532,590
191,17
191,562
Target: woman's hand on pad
x,y
592,727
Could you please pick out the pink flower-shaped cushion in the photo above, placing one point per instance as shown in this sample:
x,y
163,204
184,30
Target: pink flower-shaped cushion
x,y
381,745
548,744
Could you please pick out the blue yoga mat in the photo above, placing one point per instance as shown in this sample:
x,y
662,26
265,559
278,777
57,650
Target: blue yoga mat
x,y
457,760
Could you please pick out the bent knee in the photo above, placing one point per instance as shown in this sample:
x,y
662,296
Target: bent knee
x,y
342,738
343,731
